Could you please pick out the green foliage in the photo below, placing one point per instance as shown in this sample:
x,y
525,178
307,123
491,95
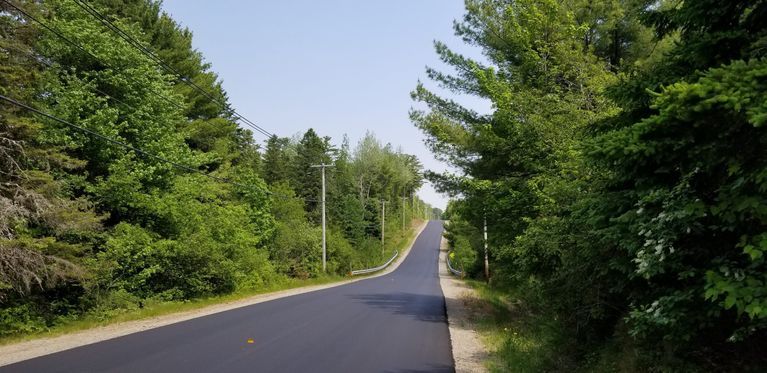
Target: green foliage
x,y
622,178
463,256
342,254
20,319
352,220
91,230
465,240
296,248
276,160
141,264
700,211
311,150
45,227
521,333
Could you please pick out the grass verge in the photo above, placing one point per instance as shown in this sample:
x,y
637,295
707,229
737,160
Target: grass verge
x,y
519,336
154,309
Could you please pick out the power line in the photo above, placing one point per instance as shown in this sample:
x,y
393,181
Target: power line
x,y
113,141
96,59
80,47
136,149
147,52
36,58
139,150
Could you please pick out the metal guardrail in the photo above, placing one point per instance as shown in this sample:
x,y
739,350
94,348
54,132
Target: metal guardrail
x,y
375,269
450,267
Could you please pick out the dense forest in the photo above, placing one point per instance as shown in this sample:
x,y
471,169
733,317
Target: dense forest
x,y
127,180
622,173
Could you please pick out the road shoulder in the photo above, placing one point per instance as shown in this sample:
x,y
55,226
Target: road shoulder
x,y
13,353
468,351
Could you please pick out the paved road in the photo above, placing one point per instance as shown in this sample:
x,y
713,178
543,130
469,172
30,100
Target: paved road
x,y
392,323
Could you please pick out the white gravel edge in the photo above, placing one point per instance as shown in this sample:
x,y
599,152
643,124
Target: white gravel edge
x,y
468,351
21,351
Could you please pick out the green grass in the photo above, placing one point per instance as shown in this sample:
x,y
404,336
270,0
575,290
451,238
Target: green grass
x,y
397,241
150,310
401,241
523,335
519,336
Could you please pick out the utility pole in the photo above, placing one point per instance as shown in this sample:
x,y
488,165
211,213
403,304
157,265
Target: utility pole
x,y
404,201
487,264
383,224
322,167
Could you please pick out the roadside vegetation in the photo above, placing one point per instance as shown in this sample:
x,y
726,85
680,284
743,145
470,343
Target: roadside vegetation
x,y
150,308
518,335
135,189
623,177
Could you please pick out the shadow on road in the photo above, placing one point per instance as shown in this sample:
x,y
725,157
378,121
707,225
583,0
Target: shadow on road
x,y
419,306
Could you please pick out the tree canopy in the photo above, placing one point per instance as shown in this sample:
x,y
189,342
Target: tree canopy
x,y
621,170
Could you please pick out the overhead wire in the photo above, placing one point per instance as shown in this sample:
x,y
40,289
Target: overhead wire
x,y
152,56
156,59
46,63
113,141
143,50
137,149
60,35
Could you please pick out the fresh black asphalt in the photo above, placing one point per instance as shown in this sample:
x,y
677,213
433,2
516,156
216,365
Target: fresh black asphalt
x,y
392,323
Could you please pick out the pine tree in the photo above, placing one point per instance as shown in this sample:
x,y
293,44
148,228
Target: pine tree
x,y
311,150
276,163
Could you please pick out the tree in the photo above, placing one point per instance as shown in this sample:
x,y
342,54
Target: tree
x,y
684,194
619,174
44,228
311,150
276,160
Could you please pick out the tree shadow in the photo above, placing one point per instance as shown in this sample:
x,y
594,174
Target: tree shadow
x,y
422,307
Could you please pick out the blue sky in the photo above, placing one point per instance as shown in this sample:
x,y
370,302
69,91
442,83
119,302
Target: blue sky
x,y
338,66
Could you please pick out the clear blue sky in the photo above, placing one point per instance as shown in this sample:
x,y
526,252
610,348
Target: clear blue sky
x,y
338,66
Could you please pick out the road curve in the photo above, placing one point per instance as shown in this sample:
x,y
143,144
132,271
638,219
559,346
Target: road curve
x,y
392,323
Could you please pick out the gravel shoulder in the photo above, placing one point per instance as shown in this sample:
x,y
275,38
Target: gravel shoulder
x,y
16,352
468,351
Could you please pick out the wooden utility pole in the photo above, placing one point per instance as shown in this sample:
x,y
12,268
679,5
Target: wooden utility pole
x,y
383,224
322,167
404,203
487,262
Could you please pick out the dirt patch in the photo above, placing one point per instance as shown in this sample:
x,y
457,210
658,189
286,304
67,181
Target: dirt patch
x,y
464,308
477,309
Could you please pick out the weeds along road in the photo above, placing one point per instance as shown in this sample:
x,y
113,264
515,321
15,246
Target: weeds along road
x,y
392,323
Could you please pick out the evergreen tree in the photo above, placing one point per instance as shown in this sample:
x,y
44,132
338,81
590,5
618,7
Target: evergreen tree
x,y
311,150
45,229
276,160
685,196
